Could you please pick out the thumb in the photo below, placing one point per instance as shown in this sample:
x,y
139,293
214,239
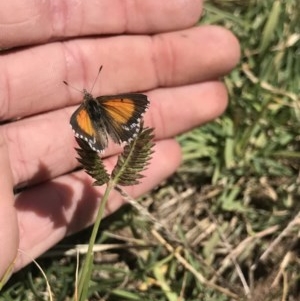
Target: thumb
x,y
9,233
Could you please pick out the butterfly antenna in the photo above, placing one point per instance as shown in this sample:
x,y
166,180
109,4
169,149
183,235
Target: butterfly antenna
x,y
96,78
67,84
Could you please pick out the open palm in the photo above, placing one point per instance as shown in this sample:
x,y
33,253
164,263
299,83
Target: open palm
x,y
146,46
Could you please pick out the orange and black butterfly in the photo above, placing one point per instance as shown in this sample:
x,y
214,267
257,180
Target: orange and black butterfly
x,y
117,116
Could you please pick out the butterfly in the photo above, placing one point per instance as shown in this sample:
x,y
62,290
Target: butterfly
x,y
116,116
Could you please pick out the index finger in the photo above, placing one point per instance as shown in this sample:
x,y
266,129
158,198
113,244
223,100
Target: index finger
x,y
35,22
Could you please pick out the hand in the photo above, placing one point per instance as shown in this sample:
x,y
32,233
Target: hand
x,y
161,53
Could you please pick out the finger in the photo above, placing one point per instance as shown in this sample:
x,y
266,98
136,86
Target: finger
x,y
131,63
40,21
41,147
9,234
177,110
69,203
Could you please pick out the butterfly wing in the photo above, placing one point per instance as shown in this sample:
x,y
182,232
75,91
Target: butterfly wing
x,y
85,128
121,114
116,115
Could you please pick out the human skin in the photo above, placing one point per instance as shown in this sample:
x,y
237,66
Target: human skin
x,y
149,46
